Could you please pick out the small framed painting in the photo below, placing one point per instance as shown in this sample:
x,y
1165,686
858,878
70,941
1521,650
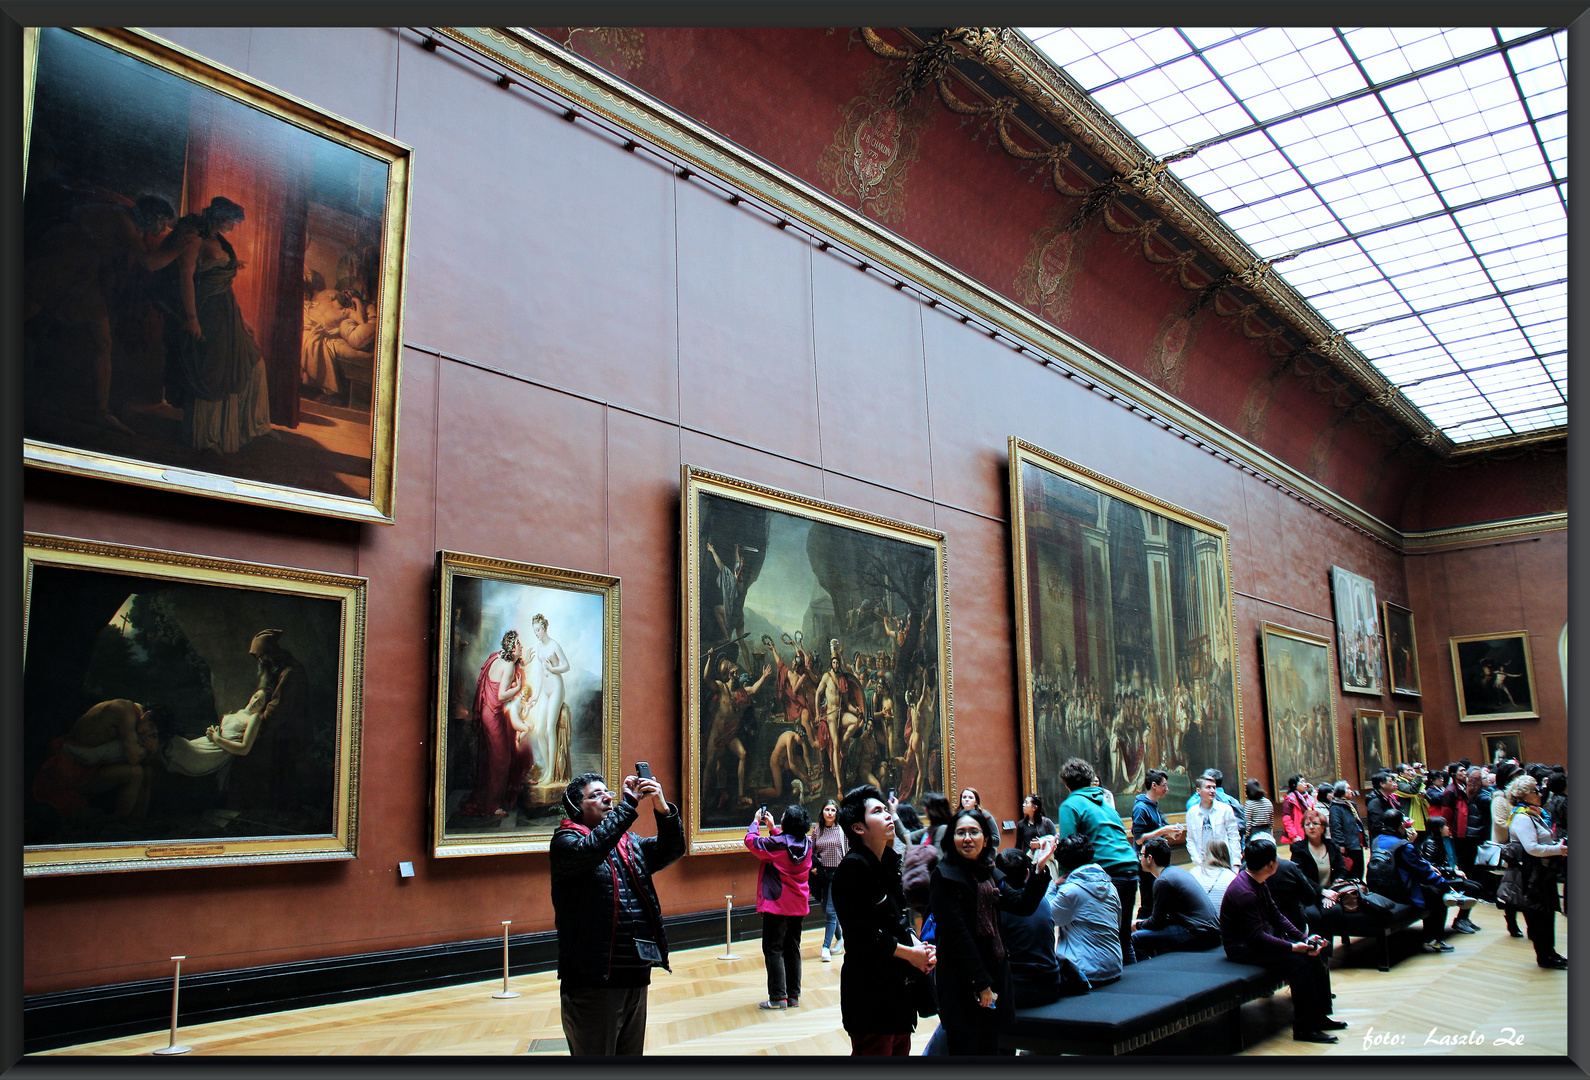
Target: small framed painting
x,y
1402,649
1411,730
1495,677
1369,728
1502,746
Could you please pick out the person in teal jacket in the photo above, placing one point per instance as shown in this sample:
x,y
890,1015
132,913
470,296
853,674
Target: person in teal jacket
x,y
1087,810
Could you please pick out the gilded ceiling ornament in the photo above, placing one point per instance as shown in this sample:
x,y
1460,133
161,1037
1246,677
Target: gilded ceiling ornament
x,y
1054,256
875,145
621,49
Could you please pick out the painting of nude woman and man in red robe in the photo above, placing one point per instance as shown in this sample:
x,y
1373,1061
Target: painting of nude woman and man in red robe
x,y
211,280
527,699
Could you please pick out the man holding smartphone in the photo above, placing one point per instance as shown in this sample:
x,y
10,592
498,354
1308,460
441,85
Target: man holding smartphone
x,y
610,931
1254,931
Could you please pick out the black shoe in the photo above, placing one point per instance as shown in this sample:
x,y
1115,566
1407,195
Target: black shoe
x,y
1514,931
1332,1025
1463,928
1473,926
1438,946
1557,963
1314,1037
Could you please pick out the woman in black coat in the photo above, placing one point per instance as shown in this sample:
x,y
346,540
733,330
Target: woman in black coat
x,y
1033,824
1304,893
967,894
875,1003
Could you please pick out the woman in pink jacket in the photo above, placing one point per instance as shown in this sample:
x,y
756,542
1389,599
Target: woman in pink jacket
x,y
783,895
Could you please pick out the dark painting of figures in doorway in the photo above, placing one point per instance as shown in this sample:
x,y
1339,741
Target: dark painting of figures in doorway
x,y
1402,649
1300,704
1124,609
818,655
527,699
210,280
180,707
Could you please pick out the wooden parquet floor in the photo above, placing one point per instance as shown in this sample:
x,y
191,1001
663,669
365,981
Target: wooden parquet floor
x,y
1489,988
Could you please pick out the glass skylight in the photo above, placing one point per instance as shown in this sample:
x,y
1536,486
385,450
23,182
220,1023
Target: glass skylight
x,y
1417,178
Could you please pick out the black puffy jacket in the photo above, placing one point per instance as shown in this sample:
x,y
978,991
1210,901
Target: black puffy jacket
x,y
583,864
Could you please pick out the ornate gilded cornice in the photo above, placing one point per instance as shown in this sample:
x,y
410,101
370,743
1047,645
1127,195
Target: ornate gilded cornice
x,y
1016,63
1490,532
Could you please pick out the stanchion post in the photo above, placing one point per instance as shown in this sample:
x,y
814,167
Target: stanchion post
x,y
505,993
176,986
728,928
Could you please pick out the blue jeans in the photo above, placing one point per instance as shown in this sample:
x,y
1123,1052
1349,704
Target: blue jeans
x,y
831,924
1171,938
938,1044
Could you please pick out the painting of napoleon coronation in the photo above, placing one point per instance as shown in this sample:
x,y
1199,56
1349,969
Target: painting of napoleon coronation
x,y
1124,607
528,681
820,653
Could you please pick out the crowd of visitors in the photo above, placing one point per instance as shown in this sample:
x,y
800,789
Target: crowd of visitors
x,y
936,920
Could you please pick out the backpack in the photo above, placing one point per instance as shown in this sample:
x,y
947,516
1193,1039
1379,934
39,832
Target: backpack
x,y
1384,877
917,871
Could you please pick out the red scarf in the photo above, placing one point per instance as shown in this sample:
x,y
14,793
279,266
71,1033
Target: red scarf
x,y
622,848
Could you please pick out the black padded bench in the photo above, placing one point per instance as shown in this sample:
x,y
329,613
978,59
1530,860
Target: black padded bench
x,y
1382,926
1151,1000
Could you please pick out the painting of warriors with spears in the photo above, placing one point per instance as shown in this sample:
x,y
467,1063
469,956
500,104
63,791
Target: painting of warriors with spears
x,y
818,646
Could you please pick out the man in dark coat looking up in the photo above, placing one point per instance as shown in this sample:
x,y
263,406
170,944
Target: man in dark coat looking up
x,y
610,932
880,951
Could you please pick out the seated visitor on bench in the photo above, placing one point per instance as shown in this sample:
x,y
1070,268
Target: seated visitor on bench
x,y
1439,852
1255,932
1399,872
1181,918
1037,975
1087,911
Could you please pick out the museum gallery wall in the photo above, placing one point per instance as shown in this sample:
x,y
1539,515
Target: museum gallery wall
x,y
556,376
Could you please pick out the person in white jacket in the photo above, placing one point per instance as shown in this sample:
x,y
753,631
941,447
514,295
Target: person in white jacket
x,y
1210,819
1531,886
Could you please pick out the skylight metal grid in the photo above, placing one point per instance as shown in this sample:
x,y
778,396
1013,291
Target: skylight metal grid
x,y
1413,179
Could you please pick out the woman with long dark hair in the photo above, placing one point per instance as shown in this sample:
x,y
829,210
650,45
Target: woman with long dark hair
x,y
967,895
1033,824
829,847
1258,812
1297,801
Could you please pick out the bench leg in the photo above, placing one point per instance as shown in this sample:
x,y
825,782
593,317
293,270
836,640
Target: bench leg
x,y
1385,950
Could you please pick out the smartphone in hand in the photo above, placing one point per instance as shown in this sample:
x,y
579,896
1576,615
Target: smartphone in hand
x,y
643,770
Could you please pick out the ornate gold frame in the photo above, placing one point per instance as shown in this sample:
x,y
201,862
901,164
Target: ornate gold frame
x,y
1485,744
175,60
448,565
1023,452
1377,718
1265,630
342,843
1386,608
1464,716
1406,718
1340,579
695,482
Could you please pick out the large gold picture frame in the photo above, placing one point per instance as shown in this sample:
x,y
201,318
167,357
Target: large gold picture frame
x,y
1300,705
1495,676
552,636
816,650
273,379
180,710
1126,647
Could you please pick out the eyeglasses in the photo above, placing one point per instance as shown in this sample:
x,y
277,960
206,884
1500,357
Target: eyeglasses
x,y
968,834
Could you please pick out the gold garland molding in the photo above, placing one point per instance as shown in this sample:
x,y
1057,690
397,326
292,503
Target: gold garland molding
x,y
1037,82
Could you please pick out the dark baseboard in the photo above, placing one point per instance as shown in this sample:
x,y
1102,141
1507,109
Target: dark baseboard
x,y
68,1017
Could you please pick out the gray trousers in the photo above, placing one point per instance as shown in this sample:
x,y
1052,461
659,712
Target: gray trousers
x,y
604,1022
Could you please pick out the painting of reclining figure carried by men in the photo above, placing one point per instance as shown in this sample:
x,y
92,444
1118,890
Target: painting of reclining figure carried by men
x,y
173,709
818,651
1128,656
208,287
